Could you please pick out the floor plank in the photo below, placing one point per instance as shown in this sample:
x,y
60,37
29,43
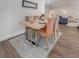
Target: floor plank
x,y
7,50
68,44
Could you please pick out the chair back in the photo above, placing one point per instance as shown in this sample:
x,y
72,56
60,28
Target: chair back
x,y
31,18
27,18
50,27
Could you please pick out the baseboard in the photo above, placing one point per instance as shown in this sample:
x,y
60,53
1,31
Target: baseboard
x,y
11,35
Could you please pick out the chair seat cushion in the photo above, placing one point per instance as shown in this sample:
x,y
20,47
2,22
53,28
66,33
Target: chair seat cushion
x,y
63,20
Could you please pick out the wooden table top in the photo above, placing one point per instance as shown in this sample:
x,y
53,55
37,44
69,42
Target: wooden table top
x,y
38,24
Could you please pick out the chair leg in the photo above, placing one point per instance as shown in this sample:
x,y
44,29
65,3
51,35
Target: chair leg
x,y
54,35
57,32
30,34
37,38
52,38
46,41
26,33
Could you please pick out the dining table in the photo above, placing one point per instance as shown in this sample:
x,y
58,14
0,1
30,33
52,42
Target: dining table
x,y
34,26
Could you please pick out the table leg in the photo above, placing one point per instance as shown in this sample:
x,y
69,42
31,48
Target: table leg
x,y
37,38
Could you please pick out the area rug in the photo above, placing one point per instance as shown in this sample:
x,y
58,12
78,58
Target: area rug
x,y
27,50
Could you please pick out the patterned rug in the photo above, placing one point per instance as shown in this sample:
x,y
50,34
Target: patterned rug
x,y
27,50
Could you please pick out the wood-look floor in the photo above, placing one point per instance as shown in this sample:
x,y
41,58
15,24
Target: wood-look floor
x,y
7,50
67,46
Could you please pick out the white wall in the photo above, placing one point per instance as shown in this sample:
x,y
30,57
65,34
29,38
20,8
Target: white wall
x,y
11,13
60,6
68,11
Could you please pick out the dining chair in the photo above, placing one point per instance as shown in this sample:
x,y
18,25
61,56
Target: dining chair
x,y
26,18
48,31
28,31
30,18
56,26
35,17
